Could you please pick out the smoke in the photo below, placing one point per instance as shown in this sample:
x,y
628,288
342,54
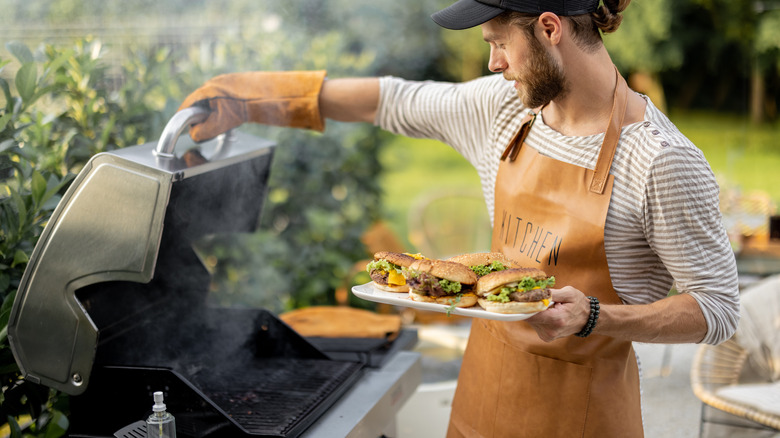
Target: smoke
x,y
383,37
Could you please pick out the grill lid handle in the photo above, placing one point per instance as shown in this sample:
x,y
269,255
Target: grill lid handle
x,y
181,120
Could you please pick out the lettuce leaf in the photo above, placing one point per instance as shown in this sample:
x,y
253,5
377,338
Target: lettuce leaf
x,y
488,268
523,285
451,287
382,265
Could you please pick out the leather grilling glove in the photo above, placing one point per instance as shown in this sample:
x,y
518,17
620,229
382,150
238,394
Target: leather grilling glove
x,y
272,98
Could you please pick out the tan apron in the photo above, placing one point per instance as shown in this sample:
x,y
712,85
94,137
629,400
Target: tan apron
x,y
550,214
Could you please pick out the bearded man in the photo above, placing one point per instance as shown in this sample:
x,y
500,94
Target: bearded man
x,y
583,178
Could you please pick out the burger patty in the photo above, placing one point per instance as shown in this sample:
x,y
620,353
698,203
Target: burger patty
x,y
379,276
531,295
428,285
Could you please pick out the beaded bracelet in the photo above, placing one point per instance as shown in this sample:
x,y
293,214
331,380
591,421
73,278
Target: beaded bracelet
x,y
592,318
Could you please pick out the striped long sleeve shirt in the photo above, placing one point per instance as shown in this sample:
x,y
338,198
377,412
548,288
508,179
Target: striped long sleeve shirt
x,y
663,226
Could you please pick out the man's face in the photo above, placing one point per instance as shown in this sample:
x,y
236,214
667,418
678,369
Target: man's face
x,y
538,76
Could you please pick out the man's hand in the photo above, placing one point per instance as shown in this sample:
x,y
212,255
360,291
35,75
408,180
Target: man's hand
x,y
566,317
674,319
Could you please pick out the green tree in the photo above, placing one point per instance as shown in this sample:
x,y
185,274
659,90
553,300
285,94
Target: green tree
x,y
706,52
644,46
766,66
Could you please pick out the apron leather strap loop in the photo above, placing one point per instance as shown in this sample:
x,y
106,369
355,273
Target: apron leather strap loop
x,y
513,148
611,137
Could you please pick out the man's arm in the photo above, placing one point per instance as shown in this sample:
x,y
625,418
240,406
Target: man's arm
x,y
676,319
350,100
297,99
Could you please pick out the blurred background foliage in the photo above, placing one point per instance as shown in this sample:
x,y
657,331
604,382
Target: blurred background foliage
x,y
79,77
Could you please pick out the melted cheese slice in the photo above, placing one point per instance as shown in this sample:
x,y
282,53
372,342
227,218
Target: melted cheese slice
x,y
395,279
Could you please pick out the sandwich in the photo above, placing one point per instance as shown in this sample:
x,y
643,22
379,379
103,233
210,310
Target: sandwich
x,y
516,290
386,270
441,282
483,263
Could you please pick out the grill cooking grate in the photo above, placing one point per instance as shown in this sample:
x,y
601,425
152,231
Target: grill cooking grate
x,y
270,383
274,397
135,430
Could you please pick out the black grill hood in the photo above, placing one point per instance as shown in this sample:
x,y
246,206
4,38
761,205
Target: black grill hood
x,y
121,238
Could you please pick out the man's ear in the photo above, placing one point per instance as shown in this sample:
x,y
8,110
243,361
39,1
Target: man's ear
x,y
551,27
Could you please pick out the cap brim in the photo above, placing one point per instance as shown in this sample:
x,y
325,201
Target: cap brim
x,y
464,14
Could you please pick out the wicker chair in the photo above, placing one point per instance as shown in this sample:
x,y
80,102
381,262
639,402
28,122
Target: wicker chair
x,y
737,362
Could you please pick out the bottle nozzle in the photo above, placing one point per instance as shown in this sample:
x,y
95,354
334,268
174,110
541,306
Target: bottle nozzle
x,y
159,406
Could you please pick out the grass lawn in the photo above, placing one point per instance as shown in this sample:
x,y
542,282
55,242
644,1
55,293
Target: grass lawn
x,y
741,155
414,168
744,158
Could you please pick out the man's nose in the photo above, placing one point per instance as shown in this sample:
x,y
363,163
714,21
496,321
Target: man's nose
x,y
496,64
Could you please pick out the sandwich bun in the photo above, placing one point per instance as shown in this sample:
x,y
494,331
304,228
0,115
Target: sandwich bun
x,y
483,263
391,287
512,307
398,258
482,258
387,276
466,300
528,291
494,280
446,270
425,285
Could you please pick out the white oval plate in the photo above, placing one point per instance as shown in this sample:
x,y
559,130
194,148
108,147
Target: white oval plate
x,y
368,292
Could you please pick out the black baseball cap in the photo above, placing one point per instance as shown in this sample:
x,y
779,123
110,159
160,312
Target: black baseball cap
x,y
464,14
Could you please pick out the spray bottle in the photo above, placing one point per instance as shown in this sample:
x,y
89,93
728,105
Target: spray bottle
x,y
161,423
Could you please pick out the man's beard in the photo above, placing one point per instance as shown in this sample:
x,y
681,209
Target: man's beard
x,y
542,79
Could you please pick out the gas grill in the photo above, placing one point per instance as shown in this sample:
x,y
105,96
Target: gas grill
x,y
113,306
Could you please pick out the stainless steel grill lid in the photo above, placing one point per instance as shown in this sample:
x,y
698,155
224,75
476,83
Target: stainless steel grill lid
x,y
108,228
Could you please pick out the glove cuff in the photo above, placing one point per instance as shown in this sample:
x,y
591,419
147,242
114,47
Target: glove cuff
x,y
293,100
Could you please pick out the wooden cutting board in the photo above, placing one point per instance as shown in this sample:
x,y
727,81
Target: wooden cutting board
x,y
342,322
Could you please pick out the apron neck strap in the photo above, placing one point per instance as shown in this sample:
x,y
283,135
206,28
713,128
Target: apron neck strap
x,y
611,137
513,148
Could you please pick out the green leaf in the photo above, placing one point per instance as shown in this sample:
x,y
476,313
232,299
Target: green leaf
x,y
50,202
57,426
21,207
54,65
107,131
5,280
26,80
3,122
42,91
9,226
5,314
53,187
5,309
20,51
8,368
25,153
7,93
38,187
20,257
